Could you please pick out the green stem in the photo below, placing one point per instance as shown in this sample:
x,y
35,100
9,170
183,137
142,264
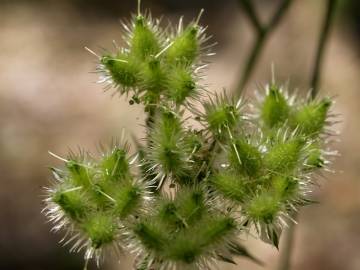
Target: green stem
x,y
263,32
325,31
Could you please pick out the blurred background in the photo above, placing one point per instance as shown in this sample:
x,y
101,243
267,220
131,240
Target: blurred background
x,y
49,101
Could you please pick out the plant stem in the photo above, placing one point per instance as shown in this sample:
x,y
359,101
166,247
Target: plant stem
x,y
324,35
284,263
262,34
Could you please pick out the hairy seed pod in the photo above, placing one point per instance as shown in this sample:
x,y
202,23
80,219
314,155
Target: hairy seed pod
x,y
73,203
245,158
101,229
185,47
152,237
315,158
283,157
181,85
127,200
311,118
222,115
285,187
153,81
123,70
263,207
144,42
231,185
170,152
275,109
115,164
79,174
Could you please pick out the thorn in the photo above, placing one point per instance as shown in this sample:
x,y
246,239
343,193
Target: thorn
x,y
92,52
272,73
58,157
164,50
199,16
139,7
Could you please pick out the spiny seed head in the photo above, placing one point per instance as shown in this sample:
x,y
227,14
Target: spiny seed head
x,y
315,158
123,70
285,187
72,203
245,157
127,200
79,173
144,41
115,164
181,85
311,118
284,157
222,115
153,77
93,198
275,108
263,207
101,229
170,151
185,47
177,235
231,185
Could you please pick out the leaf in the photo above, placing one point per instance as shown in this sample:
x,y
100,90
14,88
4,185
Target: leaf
x,y
237,249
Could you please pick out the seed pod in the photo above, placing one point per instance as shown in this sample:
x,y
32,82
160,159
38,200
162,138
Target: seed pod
x,y
263,208
144,41
245,157
151,235
73,203
79,173
285,187
153,81
315,158
115,164
190,205
275,108
284,157
311,118
122,70
231,185
185,47
170,152
180,85
222,115
101,229
127,200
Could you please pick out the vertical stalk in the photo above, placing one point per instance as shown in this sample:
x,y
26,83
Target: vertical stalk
x,y
326,27
263,31
287,248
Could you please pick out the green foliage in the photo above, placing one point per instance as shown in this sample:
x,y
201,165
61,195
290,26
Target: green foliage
x,y
193,189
